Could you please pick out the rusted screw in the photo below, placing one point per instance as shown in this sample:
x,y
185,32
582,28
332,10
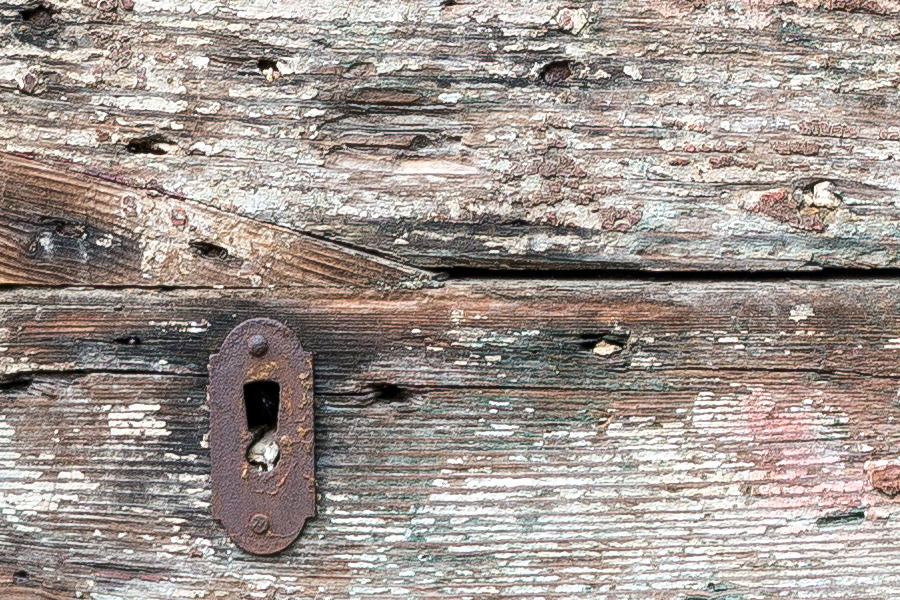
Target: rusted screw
x,y
258,345
259,523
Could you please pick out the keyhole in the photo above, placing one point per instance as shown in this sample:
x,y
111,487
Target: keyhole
x,y
261,399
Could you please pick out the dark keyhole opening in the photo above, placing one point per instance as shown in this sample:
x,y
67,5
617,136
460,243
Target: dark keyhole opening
x,y
261,400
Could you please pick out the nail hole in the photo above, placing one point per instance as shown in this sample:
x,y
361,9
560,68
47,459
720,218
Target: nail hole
x,y
128,340
16,385
40,15
20,577
269,68
418,142
388,392
604,343
209,250
151,144
63,228
261,400
555,72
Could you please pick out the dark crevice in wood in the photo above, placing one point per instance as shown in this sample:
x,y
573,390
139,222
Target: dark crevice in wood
x,y
31,375
151,144
842,518
127,340
123,567
40,15
625,274
19,384
209,250
381,393
20,577
389,392
555,72
62,227
614,342
268,68
474,274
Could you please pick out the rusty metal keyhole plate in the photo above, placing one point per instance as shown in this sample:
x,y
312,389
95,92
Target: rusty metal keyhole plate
x,y
262,510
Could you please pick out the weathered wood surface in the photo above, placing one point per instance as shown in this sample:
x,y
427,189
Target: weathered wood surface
x,y
60,227
198,164
659,134
480,440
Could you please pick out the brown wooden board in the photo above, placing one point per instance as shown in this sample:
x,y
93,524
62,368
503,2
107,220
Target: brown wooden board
x,y
514,439
366,173
662,134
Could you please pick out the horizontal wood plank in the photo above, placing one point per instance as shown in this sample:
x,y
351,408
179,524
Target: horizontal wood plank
x,y
747,483
559,440
495,333
748,135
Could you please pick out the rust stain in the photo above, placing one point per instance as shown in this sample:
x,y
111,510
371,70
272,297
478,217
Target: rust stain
x,y
782,206
178,216
886,479
619,219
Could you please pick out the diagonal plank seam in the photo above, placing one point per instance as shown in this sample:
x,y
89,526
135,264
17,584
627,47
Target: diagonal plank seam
x,y
133,237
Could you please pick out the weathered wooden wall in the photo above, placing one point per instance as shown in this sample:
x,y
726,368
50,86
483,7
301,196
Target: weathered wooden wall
x,y
364,172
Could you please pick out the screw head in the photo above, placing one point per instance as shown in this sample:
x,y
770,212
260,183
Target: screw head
x,y
258,345
259,523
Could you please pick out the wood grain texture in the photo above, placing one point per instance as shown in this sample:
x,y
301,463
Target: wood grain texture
x,y
62,227
197,164
558,440
658,134
498,333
